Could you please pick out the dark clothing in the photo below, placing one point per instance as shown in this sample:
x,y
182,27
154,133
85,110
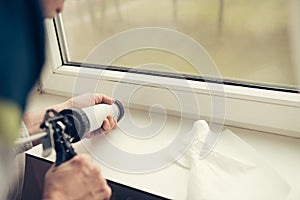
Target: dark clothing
x,y
22,48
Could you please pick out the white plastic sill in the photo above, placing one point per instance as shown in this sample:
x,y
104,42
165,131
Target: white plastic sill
x,y
281,152
281,98
261,110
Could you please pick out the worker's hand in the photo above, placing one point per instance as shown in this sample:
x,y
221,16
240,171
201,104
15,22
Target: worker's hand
x,y
76,179
90,99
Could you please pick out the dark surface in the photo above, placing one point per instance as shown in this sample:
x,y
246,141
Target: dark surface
x,y
36,168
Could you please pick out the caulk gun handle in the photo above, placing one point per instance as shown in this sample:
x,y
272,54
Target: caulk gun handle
x,y
64,150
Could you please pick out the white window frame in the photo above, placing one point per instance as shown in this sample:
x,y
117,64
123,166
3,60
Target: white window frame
x,y
256,109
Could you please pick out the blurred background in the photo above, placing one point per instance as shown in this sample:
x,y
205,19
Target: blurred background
x,y
250,41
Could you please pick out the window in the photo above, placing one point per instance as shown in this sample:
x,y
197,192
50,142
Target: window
x,y
250,41
254,44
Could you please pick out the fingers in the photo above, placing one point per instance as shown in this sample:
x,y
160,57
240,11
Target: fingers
x,y
81,159
100,98
87,99
101,188
106,126
78,178
112,121
109,124
104,193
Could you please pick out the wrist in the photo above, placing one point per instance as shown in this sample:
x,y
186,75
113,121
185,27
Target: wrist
x,y
33,119
62,106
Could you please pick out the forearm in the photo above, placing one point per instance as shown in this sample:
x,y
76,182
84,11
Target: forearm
x,y
32,120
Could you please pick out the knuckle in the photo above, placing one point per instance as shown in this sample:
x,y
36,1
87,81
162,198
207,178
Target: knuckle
x,y
82,160
77,160
111,119
108,192
102,182
96,170
106,125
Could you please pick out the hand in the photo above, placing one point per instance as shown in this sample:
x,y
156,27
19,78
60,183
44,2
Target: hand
x,y
33,119
76,179
90,99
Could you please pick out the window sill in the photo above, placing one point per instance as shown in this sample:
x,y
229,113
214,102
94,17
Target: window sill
x,y
256,109
280,152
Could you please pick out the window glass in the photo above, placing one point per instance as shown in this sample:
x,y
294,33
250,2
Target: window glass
x,y
250,41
